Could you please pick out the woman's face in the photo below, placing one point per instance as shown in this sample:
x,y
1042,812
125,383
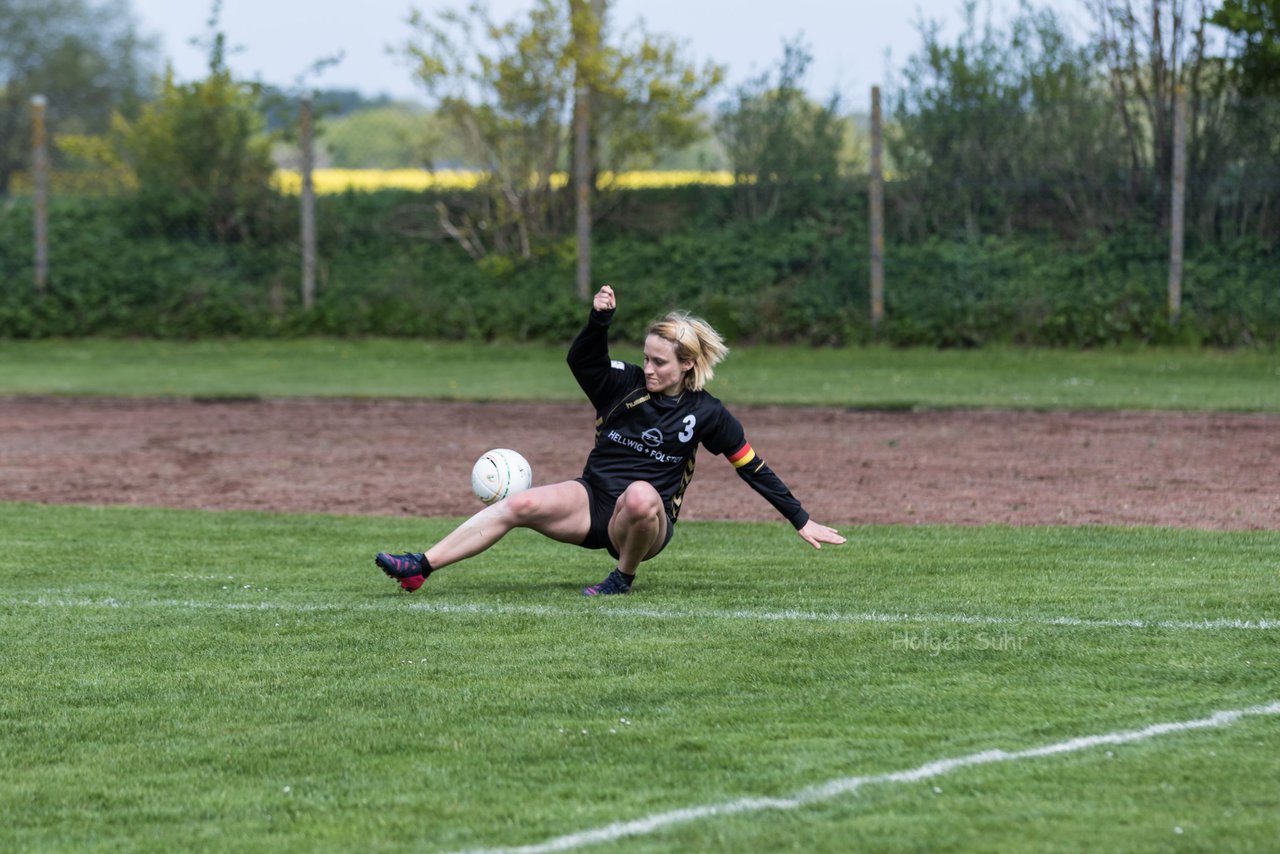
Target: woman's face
x,y
663,372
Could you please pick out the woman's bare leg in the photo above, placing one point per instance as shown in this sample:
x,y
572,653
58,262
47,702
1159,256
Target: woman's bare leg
x,y
638,527
559,511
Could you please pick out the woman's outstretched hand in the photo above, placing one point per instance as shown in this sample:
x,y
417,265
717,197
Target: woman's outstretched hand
x,y
815,534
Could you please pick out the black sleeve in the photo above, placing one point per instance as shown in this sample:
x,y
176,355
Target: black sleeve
x,y
762,479
728,438
589,360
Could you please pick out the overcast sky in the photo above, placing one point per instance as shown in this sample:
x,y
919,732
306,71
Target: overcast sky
x,y
280,39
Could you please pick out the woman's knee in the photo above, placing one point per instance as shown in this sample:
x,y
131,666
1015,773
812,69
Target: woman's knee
x,y
535,508
522,507
639,501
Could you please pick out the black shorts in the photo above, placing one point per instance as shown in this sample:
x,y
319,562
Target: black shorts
x,y
601,512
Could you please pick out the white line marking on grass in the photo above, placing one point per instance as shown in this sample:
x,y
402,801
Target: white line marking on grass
x,y
651,613
623,611
846,785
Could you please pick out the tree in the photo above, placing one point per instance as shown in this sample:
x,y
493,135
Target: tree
x,y
1255,24
508,88
1251,181
1066,164
1152,51
202,158
86,57
1004,129
961,119
782,147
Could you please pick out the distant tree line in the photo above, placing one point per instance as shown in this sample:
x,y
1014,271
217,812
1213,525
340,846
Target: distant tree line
x,y
1005,129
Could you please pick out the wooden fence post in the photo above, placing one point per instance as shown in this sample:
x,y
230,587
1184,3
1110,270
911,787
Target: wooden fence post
x,y
587,25
40,170
877,212
308,205
1177,214
582,187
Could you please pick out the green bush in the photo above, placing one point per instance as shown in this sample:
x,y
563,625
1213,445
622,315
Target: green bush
x,y
801,280
202,160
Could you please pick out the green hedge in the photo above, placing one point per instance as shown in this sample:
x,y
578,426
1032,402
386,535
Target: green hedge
x,y
803,280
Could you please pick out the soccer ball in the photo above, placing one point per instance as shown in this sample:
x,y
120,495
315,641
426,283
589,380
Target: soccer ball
x,y
500,473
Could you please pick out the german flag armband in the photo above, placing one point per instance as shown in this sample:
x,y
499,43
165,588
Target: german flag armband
x,y
742,456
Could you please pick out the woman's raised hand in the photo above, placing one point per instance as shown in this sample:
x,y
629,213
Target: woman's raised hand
x,y
604,300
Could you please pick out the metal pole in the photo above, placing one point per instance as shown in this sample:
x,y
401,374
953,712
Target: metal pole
x,y
308,206
877,212
40,168
1177,217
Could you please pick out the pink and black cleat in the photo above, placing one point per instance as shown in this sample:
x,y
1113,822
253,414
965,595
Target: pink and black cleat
x,y
408,569
615,583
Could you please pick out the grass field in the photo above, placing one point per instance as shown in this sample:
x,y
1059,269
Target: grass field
x,y
182,680
237,681
860,377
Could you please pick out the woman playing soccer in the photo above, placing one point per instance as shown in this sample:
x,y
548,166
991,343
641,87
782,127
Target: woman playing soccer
x,y
649,423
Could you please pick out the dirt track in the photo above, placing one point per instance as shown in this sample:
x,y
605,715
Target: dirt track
x,y
1214,471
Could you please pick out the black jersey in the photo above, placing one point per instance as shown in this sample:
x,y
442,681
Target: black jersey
x,y
655,438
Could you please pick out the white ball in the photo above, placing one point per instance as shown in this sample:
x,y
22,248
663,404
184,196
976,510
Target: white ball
x,y
500,473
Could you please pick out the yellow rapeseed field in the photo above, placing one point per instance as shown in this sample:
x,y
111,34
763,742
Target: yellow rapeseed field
x,y
368,180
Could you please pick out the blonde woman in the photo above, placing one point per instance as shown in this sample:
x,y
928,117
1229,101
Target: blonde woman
x,y
650,420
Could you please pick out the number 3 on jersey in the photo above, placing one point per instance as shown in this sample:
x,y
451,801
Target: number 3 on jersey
x,y
687,434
